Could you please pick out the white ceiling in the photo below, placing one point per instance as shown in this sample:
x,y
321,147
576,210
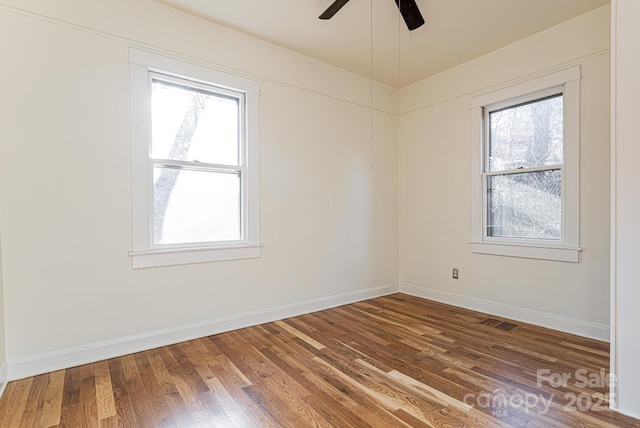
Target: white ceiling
x,y
455,30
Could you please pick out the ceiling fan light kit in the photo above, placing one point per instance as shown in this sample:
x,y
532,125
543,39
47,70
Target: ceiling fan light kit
x,y
408,8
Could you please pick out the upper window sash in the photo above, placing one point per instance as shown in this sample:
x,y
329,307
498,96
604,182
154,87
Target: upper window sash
x,y
513,103
217,91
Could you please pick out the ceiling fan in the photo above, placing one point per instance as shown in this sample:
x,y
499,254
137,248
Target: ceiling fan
x,y
408,8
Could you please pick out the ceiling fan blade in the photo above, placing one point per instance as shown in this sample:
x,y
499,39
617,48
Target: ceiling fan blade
x,y
411,14
333,9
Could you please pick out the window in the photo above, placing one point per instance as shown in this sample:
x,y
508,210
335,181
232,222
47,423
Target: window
x,y
194,163
523,169
525,186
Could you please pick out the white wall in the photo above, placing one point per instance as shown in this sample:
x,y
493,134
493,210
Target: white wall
x,y
625,276
329,223
434,165
3,349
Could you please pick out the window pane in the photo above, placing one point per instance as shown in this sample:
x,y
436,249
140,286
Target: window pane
x,y
195,206
526,136
191,124
524,205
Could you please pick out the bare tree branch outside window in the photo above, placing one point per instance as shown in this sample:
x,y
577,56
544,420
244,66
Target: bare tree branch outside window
x,y
526,204
165,184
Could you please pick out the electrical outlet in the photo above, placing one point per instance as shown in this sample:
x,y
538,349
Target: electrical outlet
x,y
454,275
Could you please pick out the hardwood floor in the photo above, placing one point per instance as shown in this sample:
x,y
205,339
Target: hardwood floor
x,y
395,361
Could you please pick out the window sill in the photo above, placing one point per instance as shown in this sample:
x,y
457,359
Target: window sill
x,y
528,251
183,256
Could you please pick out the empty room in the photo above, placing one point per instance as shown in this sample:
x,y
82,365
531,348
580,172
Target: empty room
x,y
335,213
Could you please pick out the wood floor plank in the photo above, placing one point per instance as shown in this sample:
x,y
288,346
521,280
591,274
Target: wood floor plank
x,y
211,409
88,404
130,367
14,401
70,415
52,406
286,327
187,383
106,406
35,402
393,361
178,412
149,401
125,416
119,380
222,402
71,394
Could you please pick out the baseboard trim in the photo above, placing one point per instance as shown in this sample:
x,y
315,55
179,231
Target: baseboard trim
x,y
70,357
542,319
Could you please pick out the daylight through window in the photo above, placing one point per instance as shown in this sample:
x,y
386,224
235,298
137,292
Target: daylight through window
x,y
194,151
524,169
525,187
197,165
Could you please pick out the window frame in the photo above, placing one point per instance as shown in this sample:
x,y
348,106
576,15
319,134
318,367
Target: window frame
x,y
145,66
567,249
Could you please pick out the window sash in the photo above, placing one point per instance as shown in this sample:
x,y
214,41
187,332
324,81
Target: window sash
x,y
210,168
503,105
213,90
517,239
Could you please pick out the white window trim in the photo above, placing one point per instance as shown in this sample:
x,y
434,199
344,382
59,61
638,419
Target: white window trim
x,y
143,253
568,248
